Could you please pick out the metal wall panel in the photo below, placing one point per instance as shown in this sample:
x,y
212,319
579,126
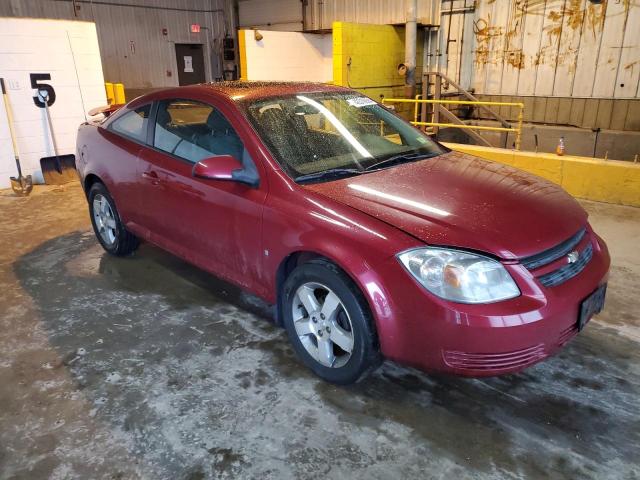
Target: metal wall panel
x,y
132,45
546,59
283,15
568,48
629,65
370,11
561,48
608,59
320,14
513,51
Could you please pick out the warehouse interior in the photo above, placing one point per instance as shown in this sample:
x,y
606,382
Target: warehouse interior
x,y
147,366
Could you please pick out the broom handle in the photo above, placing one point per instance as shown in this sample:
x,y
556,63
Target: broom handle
x,y
7,107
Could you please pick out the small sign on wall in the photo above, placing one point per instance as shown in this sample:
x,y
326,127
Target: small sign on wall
x,y
188,64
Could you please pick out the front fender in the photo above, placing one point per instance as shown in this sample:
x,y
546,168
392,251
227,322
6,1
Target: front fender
x,y
356,242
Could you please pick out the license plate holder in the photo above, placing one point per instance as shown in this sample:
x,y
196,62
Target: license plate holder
x,y
591,305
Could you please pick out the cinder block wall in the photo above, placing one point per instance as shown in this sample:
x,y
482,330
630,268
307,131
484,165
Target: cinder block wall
x,y
366,58
591,113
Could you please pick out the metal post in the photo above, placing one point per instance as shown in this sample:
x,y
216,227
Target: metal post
x,y
424,106
519,132
426,68
436,106
410,48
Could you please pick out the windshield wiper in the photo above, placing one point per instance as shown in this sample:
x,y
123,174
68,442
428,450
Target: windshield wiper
x,y
400,159
327,174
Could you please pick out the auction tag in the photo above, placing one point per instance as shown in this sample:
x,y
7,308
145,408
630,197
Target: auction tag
x,y
360,102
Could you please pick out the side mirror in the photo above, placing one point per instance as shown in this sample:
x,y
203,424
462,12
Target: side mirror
x,y
224,167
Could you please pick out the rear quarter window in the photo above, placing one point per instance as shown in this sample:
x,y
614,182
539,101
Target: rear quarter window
x,y
133,124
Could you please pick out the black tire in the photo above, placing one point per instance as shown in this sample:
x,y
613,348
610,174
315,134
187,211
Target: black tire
x,y
124,242
365,355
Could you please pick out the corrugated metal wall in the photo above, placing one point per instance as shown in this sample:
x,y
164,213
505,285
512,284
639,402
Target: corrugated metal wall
x,y
312,15
132,45
283,15
546,48
324,12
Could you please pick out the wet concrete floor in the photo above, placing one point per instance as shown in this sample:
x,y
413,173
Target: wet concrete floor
x,y
145,367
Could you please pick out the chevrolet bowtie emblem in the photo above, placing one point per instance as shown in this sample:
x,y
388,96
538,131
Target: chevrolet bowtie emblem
x,y
573,257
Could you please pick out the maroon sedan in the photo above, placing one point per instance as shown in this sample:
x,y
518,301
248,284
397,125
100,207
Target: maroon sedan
x,y
372,240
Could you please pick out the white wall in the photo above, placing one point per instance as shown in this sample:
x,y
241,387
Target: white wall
x,y
289,56
46,46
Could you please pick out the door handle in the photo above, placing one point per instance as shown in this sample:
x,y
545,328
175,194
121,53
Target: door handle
x,y
151,175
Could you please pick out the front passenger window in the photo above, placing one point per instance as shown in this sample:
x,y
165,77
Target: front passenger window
x,y
193,131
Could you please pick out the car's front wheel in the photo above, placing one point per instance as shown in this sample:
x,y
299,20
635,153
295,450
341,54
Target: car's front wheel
x,y
329,323
108,227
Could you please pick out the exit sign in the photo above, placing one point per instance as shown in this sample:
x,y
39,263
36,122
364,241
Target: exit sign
x,y
195,28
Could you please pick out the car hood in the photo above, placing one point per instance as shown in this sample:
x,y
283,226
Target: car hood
x,y
463,201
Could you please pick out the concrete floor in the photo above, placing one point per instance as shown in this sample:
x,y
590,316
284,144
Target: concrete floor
x,y
148,368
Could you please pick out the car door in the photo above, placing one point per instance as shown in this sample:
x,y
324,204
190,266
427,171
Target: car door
x,y
125,135
212,223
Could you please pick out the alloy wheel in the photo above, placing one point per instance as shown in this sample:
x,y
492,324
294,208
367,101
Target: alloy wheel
x,y
104,219
323,325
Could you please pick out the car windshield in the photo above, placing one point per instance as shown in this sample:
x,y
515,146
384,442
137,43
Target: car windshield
x,y
322,136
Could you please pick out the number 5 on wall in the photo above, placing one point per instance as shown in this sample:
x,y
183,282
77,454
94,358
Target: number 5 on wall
x,y
37,77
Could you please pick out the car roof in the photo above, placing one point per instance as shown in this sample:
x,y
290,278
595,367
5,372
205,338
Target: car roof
x,y
242,90
254,89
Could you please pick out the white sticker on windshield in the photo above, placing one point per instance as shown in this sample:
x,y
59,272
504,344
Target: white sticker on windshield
x,y
360,102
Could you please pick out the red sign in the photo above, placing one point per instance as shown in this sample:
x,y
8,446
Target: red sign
x,y
195,28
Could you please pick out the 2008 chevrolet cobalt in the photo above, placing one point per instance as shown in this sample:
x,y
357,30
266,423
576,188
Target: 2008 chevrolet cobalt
x,y
372,240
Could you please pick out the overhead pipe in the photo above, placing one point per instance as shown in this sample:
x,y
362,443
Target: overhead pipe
x,y
410,48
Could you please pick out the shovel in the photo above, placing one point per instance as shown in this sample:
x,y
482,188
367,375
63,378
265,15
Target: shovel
x,y
22,186
59,169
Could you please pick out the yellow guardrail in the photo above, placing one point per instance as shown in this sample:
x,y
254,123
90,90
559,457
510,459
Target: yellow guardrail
x,y
517,130
415,107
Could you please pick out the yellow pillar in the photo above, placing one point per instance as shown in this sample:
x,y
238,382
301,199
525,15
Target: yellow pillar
x,y
119,93
242,50
111,97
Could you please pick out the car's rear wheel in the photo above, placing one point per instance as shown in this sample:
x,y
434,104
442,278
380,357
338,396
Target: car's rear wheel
x,y
329,323
108,227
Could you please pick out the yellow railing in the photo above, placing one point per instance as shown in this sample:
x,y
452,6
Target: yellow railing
x,y
415,108
517,130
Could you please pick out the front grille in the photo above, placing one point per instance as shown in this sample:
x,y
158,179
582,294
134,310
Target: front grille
x,y
494,361
563,274
554,253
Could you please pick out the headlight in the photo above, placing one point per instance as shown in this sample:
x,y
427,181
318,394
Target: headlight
x,y
459,276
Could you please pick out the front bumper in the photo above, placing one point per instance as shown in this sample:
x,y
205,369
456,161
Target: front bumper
x,y
419,329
